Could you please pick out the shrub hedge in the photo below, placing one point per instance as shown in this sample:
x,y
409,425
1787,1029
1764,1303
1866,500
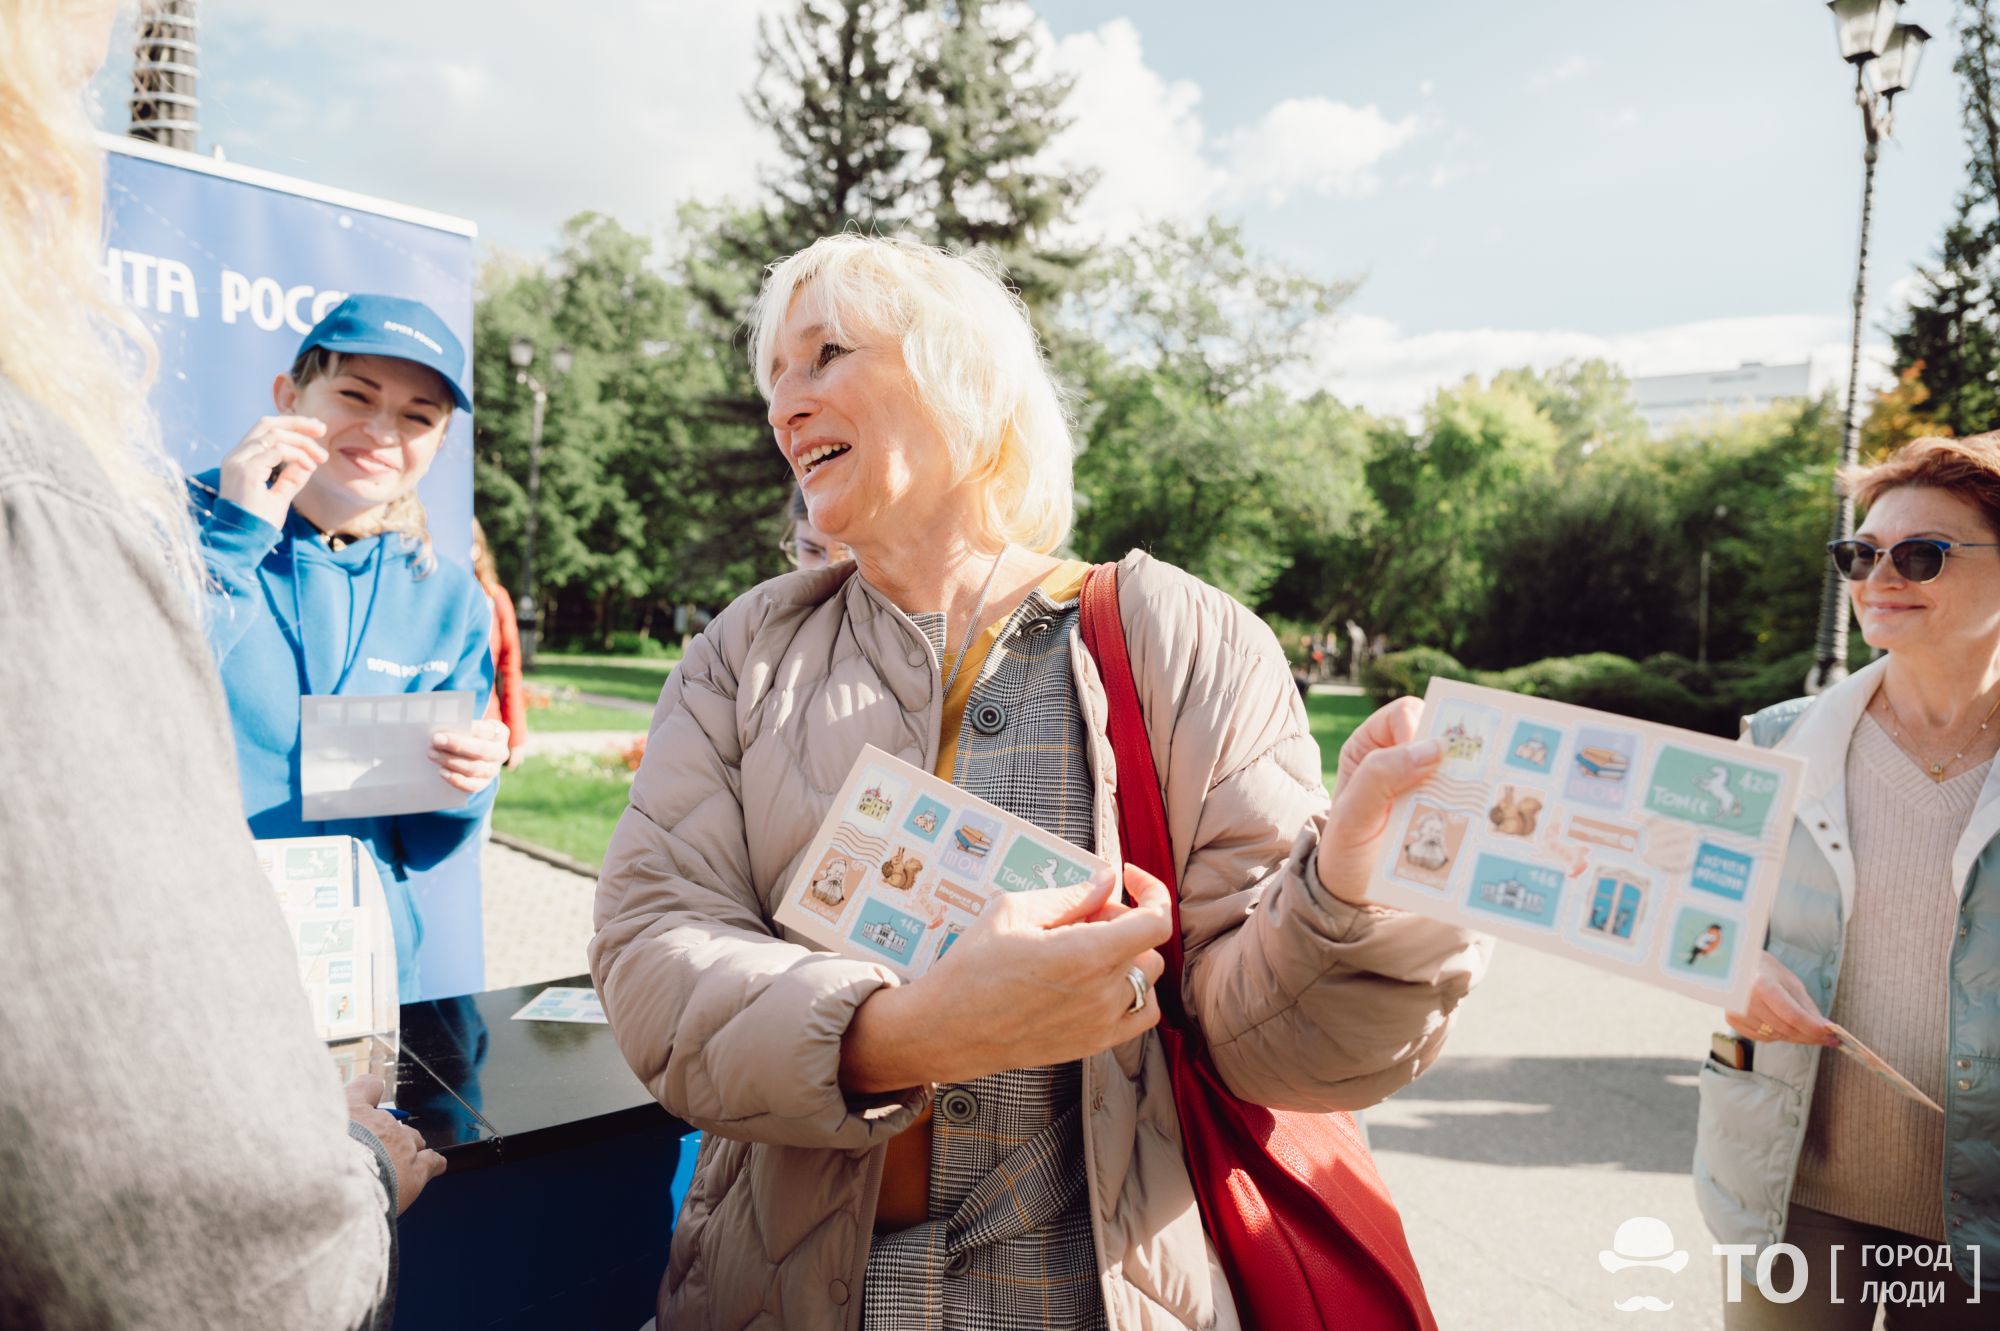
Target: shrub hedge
x,y
1665,688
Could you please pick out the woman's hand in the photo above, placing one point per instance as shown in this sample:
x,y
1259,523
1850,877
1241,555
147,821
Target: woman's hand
x,y
285,445
1041,980
1377,764
470,762
1781,1010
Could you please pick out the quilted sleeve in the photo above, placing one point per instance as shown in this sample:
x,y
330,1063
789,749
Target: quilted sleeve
x,y
732,1029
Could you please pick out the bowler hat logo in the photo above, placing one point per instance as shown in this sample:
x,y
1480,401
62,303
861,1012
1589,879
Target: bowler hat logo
x,y
1643,1241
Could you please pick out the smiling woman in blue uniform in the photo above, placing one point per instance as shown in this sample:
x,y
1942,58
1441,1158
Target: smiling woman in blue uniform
x,y
324,582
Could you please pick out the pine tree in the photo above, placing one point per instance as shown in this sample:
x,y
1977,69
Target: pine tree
x,y
1952,326
925,117
835,88
989,110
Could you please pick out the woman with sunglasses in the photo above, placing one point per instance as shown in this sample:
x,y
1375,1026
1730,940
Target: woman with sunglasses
x,y
1887,926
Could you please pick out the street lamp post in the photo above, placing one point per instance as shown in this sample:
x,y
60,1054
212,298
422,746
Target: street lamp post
x,y
521,355
1884,55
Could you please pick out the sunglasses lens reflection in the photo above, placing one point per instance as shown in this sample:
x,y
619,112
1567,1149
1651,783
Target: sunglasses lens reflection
x,y
1919,561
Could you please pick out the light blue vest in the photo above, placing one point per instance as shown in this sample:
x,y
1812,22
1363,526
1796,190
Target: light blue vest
x,y
1752,1124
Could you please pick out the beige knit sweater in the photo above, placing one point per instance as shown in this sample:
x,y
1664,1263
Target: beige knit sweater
x,y
1871,1154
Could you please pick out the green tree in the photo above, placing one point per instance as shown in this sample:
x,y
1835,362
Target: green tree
x,y
1195,305
834,86
1584,563
598,522
889,115
1589,402
1179,342
1950,333
1952,324
1441,494
989,113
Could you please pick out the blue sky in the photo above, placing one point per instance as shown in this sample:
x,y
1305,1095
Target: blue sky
x,y
1675,186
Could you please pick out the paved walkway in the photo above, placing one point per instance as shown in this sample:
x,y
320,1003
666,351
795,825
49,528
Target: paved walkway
x,y
1564,1105
614,703
537,918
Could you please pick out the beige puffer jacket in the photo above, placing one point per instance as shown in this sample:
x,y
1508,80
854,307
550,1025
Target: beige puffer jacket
x,y
1307,1003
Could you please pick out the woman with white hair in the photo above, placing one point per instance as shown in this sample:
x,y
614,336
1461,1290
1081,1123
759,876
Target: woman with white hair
x,y
994,1143
177,1151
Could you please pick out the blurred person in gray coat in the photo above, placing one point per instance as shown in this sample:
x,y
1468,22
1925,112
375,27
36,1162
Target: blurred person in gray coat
x,y
175,1147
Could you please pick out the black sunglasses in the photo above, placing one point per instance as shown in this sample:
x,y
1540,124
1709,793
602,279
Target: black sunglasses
x,y
1919,559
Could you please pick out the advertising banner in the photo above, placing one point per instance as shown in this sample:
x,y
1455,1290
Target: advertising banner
x,y
231,267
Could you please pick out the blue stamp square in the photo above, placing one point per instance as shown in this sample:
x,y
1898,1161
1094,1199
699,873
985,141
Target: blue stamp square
x,y
888,931
1726,873
1533,748
927,819
1529,894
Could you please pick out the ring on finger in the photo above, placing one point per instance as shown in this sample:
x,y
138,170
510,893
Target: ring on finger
x,y
1140,988
1767,1030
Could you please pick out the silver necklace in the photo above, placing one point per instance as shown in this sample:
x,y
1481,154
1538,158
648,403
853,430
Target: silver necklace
x,y
1936,769
972,629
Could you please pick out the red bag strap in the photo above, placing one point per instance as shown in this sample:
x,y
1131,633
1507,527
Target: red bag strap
x,y
1142,813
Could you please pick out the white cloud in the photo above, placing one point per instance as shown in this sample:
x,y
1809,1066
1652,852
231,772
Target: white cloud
x,y
1626,118
1155,156
502,111
1574,67
1370,362
1427,87
1138,131
1313,145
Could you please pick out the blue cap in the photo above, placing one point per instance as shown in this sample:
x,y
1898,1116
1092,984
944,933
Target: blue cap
x,y
391,326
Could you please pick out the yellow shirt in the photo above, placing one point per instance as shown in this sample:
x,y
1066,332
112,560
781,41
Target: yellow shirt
x,y
906,1168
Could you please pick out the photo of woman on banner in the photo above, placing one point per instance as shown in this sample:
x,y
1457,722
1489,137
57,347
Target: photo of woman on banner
x,y
323,583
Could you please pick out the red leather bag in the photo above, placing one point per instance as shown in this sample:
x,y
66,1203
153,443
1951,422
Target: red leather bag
x,y
1303,1223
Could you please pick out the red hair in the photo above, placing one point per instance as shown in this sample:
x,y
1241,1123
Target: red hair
x,y
1967,468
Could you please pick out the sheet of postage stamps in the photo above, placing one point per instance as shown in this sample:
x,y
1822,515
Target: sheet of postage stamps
x,y
1645,850
564,1003
905,864
332,902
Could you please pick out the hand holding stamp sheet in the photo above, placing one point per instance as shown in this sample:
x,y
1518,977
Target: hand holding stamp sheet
x,y
1644,850
905,864
369,756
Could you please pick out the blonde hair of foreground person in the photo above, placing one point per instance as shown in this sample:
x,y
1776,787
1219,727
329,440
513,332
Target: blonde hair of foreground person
x,y
971,353
64,341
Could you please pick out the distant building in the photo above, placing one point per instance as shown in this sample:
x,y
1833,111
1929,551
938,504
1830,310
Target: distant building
x,y
1667,402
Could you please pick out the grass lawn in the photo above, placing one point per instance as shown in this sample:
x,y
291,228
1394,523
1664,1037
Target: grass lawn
x,y
565,804
636,677
1333,719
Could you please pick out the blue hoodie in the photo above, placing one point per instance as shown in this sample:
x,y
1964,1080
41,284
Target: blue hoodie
x,y
371,627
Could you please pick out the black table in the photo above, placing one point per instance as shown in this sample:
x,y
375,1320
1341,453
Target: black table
x,y
558,1204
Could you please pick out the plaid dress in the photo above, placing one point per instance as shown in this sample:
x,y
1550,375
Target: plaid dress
x,y
1008,1243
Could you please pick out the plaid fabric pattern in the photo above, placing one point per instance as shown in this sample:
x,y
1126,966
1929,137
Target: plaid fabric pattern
x,y
1008,1246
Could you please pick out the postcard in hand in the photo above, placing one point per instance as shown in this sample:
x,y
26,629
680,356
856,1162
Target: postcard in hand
x,y
905,863
1644,850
